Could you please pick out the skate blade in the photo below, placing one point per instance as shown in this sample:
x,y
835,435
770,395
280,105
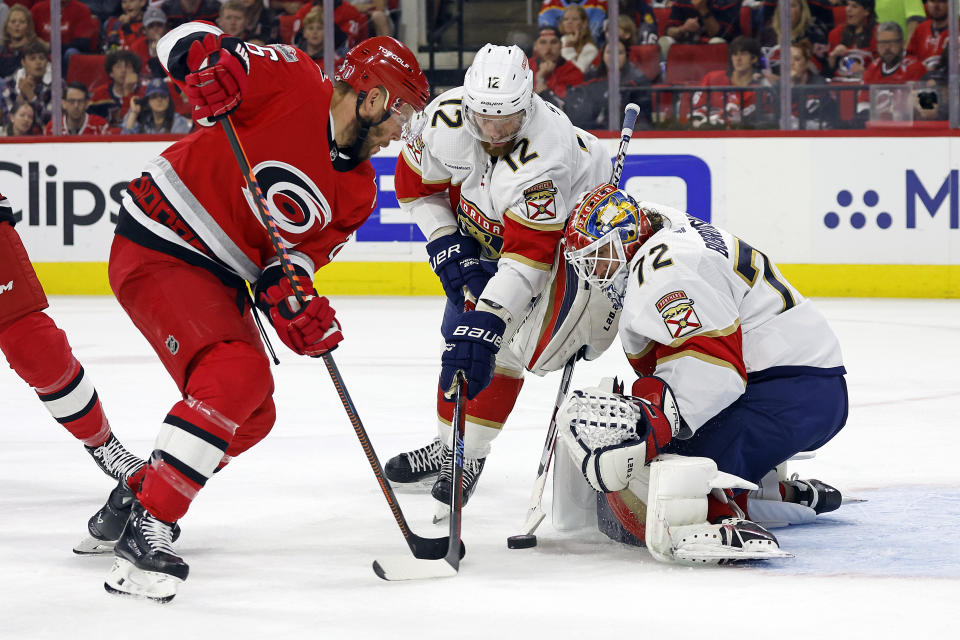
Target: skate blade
x,y
700,555
91,546
127,580
442,513
852,500
419,486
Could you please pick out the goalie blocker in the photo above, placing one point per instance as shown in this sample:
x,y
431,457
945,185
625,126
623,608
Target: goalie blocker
x,y
660,499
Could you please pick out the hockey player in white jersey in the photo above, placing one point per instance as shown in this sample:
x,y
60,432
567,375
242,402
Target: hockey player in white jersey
x,y
490,183
738,372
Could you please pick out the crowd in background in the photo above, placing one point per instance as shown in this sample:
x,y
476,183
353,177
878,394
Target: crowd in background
x,y
114,83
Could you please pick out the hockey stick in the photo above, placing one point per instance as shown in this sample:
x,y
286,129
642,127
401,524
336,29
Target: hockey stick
x,y
407,568
429,548
535,513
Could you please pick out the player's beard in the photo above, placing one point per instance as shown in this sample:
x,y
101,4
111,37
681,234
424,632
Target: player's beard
x,y
498,151
375,138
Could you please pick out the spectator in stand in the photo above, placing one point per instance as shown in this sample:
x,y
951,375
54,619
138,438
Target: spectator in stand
x,y
551,13
154,26
907,13
76,120
821,10
639,14
79,30
853,45
120,31
18,30
31,83
179,12
891,67
103,10
233,19
261,24
346,17
730,106
310,38
4,11
933,101
154,112
803,27
110,102
702,21
21,121
378,15
929,39
577,44
587,104
551,73
812,109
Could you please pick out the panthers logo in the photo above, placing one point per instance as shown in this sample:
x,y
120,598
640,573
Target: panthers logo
x,y
296,203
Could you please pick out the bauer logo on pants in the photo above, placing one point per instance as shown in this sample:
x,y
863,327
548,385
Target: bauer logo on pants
x,y
678,314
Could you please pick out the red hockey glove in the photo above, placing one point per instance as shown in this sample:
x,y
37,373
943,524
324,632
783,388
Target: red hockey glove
x,y
219,67
309,329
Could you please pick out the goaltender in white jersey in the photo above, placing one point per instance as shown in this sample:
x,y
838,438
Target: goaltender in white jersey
x,y
738,372
490,182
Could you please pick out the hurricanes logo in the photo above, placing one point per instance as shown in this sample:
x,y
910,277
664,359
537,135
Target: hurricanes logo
x,y
296,203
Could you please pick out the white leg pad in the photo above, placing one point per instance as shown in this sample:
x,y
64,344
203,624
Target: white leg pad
x,y
574,500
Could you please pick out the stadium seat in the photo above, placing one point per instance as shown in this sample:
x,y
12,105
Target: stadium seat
x,y
746,21
662,15
839,15
646,57
688,63
88,69
287,28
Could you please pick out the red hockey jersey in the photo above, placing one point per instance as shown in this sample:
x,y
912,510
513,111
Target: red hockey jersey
x,y
192,201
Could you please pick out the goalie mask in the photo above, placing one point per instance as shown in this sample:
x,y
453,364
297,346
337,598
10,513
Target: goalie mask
x,y
605,230
498,94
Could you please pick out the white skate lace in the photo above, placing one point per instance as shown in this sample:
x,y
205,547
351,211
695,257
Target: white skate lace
x,y
158,534
471,469
428,458
115,459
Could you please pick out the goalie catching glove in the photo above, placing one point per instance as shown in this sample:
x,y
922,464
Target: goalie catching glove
x,y
612,436
218,68
309,329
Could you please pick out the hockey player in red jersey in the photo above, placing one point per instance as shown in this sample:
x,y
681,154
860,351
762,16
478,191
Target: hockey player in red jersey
x,y
39,352
738,372
188,242
490,182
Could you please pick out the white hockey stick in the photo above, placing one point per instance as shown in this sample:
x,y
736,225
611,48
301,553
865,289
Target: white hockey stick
x,y
407,568
535,513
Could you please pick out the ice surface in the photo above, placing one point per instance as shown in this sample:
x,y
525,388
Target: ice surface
x,y
280,544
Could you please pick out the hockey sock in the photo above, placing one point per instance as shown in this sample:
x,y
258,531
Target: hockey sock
x,y
190,445
39,352
486,414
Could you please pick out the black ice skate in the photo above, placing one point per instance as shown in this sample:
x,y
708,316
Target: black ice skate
x,y
418,467
812,493
442,488
114,460
145,564
106,524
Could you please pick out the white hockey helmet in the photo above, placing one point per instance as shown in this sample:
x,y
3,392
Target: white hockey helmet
x,y
498,94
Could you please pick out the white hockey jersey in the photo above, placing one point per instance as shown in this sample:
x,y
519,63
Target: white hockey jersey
x,y
515,206
707,312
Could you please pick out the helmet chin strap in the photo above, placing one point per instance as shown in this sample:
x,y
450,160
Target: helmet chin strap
x,y
348,159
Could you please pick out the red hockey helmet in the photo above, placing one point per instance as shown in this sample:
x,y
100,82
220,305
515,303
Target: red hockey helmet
x,y
387,62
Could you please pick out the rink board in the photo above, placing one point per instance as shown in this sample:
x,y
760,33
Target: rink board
x,y
843,215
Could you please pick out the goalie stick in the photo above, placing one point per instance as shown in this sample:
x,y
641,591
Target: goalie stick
x,y
535,513
428,548
407,568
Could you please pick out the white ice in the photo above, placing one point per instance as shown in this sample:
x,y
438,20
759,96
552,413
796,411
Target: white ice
x,y
280,544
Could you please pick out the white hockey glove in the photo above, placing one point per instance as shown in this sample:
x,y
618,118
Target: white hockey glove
x,y
611,436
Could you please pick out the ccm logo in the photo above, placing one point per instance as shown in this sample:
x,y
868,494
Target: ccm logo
x,y
478,333
6,287
443,256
